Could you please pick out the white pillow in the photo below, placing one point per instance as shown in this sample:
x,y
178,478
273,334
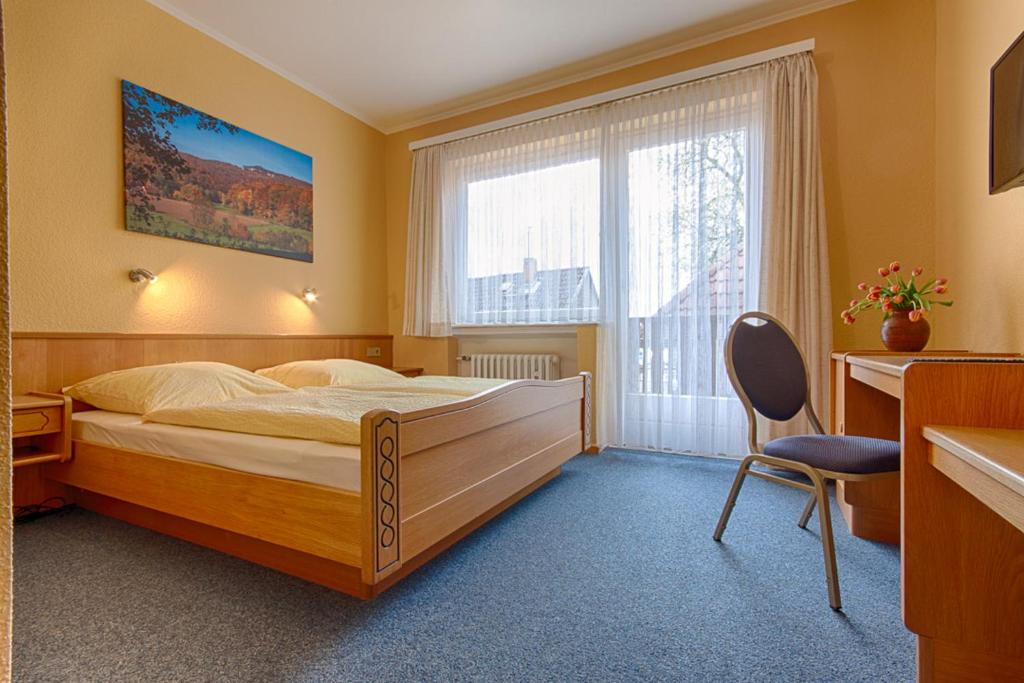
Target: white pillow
x,y
175,385
329,372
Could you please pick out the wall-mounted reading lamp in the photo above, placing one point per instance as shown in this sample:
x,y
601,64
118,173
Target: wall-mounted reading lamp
x,y
310,295
142,275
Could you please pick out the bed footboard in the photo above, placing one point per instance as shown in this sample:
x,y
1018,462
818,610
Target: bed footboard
x,y
430,475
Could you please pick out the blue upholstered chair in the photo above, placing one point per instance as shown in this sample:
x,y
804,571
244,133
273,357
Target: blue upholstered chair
x,y
768,372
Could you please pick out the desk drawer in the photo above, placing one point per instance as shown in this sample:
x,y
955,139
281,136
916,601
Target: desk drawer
x,y
36,421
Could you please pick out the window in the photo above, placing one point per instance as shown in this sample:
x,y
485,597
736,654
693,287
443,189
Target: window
x,y
643,214
530,246
687,232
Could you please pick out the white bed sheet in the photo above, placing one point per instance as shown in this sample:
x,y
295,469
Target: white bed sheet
x,y
316,462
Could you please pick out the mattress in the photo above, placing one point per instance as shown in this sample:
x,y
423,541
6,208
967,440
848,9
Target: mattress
x,y
315,462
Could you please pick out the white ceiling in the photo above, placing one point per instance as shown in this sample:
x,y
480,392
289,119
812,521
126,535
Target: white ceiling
x,y
397,63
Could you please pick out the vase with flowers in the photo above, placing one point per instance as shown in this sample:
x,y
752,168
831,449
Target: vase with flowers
x,y
904,304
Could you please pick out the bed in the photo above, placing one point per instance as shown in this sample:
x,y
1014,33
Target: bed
x,y
426,478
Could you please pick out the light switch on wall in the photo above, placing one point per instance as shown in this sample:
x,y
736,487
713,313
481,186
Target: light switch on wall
x,y
373,352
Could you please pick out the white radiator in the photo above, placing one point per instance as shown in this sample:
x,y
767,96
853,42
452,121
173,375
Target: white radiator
x,y
513,365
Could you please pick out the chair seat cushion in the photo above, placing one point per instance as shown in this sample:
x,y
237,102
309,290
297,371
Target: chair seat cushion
x,y
849,454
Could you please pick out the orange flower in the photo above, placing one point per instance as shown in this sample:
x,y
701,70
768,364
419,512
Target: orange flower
x,y
941,289
853,302
915,315
942,281
898,299
874,296
917,271
862,286
887,307
894,266
894,289
883,271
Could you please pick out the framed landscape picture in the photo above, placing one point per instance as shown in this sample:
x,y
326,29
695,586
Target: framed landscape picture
x,y
195,177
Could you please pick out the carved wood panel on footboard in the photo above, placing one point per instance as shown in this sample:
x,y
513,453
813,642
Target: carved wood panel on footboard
x,y
432,472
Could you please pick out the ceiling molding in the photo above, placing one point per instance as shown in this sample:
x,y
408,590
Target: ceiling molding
x,y
167,7
627,91
471,105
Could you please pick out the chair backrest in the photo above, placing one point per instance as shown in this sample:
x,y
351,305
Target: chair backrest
x,y
767,370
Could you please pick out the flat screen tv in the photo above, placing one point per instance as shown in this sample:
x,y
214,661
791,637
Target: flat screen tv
x,y
1006,120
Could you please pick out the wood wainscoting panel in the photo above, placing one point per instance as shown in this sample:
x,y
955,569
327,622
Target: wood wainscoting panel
x,y
50,361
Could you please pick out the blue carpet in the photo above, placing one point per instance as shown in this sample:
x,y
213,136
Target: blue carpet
x,y
606,573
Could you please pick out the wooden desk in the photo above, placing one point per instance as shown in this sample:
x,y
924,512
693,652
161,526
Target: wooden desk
x,y
961,489
865,390
987,463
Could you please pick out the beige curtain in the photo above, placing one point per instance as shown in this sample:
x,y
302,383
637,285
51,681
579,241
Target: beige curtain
x,y
5,391
794,257
427,270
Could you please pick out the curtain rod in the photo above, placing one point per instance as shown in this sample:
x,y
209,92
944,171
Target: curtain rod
x,y
669,81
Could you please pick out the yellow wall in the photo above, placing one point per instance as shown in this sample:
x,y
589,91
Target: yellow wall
x,y
70,251
877,81
979,238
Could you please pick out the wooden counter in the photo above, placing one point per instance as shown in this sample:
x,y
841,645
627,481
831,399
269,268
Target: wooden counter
x,y
987,463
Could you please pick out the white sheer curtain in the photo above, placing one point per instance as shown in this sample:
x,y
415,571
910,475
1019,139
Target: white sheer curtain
x,y
680,260
645,214
504,228
522,207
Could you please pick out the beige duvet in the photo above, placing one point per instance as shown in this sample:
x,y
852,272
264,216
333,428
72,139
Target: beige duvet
x,y
433,384
330,414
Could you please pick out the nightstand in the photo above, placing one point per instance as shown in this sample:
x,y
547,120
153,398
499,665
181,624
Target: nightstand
x,y
409,372
41,433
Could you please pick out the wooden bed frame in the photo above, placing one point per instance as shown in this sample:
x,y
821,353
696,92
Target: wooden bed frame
x,y
429,477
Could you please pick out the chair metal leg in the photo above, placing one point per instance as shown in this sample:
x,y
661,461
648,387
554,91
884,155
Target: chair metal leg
x,y
828,546
734,492
808,509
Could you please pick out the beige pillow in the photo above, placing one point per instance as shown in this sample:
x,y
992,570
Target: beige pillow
x,y
176,385
330,372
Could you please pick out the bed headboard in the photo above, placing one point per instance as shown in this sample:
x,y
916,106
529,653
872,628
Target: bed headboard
x,y
49,361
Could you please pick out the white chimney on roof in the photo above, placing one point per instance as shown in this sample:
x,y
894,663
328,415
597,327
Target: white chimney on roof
x,y
529,270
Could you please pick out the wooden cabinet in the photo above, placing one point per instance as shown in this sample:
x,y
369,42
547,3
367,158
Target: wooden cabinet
x,y
41,433
867,406
408,372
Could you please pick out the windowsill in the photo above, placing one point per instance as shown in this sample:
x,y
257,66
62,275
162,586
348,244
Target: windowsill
x,y
568,329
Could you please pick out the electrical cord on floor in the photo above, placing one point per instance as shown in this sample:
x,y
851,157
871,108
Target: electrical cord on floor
x,y
28,513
